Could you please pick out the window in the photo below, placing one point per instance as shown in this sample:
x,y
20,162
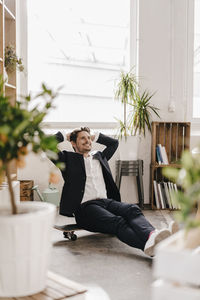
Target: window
x,y
196,85
80,45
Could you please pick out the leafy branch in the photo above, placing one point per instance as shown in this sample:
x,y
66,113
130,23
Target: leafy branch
x,y
21,131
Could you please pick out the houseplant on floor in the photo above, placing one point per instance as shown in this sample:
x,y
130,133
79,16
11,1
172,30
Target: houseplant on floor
x,y
177,260
137,111
24,228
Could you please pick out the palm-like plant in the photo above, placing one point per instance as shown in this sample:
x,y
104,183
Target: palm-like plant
x,y
125,92
140,116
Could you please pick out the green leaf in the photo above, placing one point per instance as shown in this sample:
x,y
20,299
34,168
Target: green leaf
x,y
20,128
171,173
187,160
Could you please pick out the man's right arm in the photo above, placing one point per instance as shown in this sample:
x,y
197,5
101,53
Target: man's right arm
x,y
59,136
61,155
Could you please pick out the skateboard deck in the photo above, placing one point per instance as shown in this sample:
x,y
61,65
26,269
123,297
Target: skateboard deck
x,y
68,230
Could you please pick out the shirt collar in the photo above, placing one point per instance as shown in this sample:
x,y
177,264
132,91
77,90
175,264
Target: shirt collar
x,y
91,154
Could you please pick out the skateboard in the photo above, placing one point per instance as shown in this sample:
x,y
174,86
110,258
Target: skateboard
x,y
68,231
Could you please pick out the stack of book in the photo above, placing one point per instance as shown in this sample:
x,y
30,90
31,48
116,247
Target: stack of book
x,y
163,192
161,155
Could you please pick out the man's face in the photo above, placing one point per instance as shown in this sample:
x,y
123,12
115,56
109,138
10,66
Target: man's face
x,y
83,142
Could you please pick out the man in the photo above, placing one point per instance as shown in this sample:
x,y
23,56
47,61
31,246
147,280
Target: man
x,y
91,195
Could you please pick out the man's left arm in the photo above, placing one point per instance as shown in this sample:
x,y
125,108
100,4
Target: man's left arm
x,y
110,143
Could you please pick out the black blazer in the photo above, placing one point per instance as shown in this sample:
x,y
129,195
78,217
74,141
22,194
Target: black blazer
x,y
74,174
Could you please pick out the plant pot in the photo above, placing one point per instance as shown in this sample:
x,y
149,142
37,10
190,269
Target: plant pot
x,y
129,148
25,245
176,270
166,290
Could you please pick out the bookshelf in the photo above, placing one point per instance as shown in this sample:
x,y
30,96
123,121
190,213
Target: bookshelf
x,y
8,36
175,137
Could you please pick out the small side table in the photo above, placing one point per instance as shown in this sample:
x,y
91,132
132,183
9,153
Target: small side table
x,y
131,168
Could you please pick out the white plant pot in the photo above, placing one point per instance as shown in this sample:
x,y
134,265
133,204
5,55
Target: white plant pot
x,y
165,290
129,148
25,243
176,267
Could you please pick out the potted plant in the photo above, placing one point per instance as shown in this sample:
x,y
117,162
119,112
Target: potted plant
x,y
137,114
177,260
12,61
25,227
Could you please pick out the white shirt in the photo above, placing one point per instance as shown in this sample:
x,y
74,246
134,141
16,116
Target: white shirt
x,y
95,185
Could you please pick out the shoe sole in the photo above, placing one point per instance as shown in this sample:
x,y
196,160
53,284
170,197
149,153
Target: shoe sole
x,y
174,228
161,236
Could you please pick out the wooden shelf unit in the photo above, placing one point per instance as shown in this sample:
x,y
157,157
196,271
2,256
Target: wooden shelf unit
x,y
10,5
8,13
175,136
1,34
8,37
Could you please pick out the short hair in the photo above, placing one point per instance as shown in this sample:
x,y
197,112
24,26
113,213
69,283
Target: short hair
x,y
75,132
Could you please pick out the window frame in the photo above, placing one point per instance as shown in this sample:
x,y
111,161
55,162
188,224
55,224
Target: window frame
x,y
133,62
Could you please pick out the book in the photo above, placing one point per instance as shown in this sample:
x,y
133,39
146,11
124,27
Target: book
x,y
167,194
163,192
172,190
170,194
166,205
160,153
175,187
161,196
156,194
164,155
176,190
159,159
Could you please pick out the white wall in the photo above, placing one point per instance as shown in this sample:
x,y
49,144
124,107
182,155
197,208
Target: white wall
x,y
165,66
164,47
165,61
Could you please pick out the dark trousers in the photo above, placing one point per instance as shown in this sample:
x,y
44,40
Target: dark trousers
x,y
126,221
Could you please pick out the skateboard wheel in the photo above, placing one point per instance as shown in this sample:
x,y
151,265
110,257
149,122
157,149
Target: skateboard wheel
x,y
66,235
73,237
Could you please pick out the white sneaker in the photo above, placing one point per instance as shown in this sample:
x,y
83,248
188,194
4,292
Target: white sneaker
x,y
156,237
173,227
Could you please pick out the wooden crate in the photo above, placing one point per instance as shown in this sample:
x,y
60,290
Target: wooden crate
x,y
175,137
26,192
